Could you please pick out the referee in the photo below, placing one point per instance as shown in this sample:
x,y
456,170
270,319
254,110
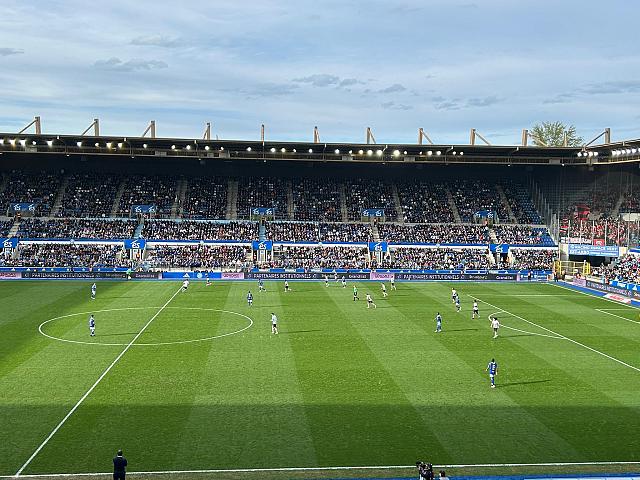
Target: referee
x,y
119,466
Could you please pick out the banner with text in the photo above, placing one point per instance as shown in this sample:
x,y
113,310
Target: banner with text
x,y
372,212
266,245
594,250
135,244
263,211
9,242
378,246
22,207
143,209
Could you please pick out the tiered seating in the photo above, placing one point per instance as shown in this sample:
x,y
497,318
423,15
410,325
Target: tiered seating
x,y
631,202
198,230
267,192
522,235
316,199
345,232
424,202
438,258
520,202
532,259
5,226
89,195
470,234
206,197
363,194
199,257
472,196
39,188
149,190
77,228
627,268
64,255
612,232
293,231
321,257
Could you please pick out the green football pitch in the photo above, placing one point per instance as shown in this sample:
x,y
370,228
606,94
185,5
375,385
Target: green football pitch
x,y
196,380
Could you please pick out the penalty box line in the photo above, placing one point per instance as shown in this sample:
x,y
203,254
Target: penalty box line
x,y
312,469
88,392
560,335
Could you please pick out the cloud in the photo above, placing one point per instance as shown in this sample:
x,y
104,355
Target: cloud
x,y
269,90
483,101
347,82
319,80
561,98
621,86
135,64
442,103
157,41
396,87
5,52
395,106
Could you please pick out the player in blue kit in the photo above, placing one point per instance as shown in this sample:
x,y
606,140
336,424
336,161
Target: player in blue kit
x,y
492,368
261,286
438,323
250,298
92,326
93,291
457,304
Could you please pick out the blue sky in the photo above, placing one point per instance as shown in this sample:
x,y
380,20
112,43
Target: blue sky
x,y
446,66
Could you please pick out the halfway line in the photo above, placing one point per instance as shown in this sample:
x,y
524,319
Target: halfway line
x,y
88,392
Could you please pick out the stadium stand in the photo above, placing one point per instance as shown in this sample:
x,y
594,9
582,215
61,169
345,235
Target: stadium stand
x,y
206,198
523,235
627,268
149,190
5,226
520,202
424,202
267,192
316,199
345,232
361,194
437,233
293,231
66,255
25,187
199,230
472,196
438,258
89,195
532,259
199,257
76,228
321,257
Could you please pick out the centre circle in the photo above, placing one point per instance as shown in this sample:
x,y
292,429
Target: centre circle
x,y
248,323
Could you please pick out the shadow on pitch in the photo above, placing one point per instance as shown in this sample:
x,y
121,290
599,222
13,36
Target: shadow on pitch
x,y
529,382
462,329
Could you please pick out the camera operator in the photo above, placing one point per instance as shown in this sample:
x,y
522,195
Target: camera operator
x,y
425,471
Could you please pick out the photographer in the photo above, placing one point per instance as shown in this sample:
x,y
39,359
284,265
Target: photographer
x,y
425,471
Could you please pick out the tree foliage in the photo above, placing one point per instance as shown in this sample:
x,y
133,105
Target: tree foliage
x,y
552,134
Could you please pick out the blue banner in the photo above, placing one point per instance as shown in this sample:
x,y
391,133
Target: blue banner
x,y
9,242
489,214
262,245
22,207
594,250
372,212
144,209
378,247
499,248
267,212
138,244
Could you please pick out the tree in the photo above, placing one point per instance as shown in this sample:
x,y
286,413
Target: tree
x,y
552,134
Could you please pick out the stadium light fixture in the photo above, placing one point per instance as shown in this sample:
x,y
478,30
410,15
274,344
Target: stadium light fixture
x,y
461,153
336,151
311,150
108,144
207,147
283,150
396,153
273,150
1,141
97,145
23,142
188,147
222,149
12,142
33,142
79,144
350,152
369,152
144,145
595,154
119,144
633,151
379,153
173,147
294,151
454,153
579,154
429,153
405,152
50,143
628,151
360,152
248,149
438,152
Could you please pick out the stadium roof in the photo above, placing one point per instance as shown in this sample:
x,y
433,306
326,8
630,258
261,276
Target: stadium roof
x,y
113,146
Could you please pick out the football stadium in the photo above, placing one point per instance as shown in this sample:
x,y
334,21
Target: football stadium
x,y
209,307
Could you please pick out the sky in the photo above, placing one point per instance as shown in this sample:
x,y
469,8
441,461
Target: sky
x,y
444,65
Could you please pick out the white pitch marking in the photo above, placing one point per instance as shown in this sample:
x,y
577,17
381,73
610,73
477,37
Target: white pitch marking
x,y
602,310
145,344
517,329
311,469
561,336
591,295
88,392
